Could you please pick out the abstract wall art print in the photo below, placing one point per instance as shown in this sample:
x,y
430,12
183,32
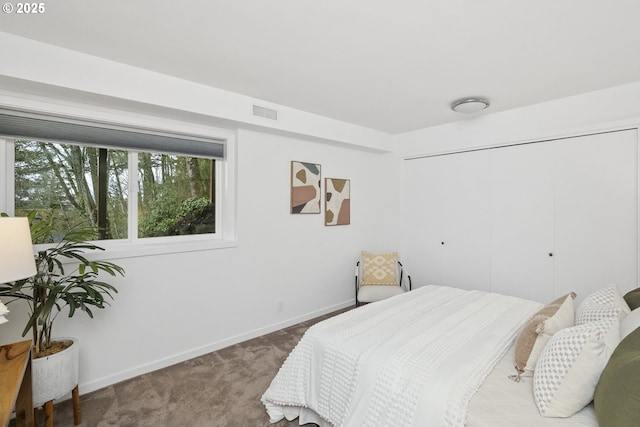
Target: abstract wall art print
x,y
305,188
337,204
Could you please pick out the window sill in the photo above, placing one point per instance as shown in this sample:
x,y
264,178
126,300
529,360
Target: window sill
x,y
124,249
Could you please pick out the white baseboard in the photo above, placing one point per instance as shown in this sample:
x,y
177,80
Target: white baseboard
x,y
94,385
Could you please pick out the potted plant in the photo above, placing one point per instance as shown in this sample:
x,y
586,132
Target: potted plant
x,y
65,279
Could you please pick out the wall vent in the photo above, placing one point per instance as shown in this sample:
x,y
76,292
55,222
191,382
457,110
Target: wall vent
x,y
265,112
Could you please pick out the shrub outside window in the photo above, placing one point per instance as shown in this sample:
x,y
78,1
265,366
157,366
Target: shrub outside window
x,y
175,195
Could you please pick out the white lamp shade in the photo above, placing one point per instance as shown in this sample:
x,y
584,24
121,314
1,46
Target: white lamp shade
x,y
16,251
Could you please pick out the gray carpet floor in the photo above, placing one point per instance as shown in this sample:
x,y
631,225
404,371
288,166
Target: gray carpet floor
x,y
219,389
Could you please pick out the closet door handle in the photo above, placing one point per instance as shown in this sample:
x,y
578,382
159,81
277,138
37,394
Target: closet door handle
x,y
550,253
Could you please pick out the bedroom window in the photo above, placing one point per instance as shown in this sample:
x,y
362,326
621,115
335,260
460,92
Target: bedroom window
x,y
126,184
79,185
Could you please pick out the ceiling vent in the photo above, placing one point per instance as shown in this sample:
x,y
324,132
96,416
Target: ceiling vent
x,y
265,112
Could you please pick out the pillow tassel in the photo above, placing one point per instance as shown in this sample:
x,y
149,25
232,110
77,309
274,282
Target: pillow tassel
x,y
517,376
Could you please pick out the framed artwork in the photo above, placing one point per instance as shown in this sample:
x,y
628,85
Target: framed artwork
x,y
305,188
337,202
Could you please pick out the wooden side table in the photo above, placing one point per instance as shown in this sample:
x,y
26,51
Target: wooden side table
x,y
15,377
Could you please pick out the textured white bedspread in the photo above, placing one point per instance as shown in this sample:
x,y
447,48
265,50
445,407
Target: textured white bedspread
x,y
412,360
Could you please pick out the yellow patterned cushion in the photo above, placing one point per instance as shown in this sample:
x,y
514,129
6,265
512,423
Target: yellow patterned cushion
x,y
379,269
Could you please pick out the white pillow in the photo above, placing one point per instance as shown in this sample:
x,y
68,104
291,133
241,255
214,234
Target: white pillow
x,y
605,302
570,366
630,323
593,313
605,296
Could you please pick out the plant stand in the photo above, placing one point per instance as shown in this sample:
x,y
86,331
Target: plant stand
x,y
48,410
54,377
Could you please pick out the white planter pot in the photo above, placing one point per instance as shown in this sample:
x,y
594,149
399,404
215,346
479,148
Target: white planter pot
x,y
55,376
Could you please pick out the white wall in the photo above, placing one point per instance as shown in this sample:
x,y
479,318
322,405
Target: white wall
x,y
173,307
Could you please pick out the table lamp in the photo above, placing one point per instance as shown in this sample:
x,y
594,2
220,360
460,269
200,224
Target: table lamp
x,y
16,254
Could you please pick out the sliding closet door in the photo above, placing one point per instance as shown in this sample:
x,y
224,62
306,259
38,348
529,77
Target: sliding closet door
x,y
446,220
522,221
535,220
424,221
467,252
596,216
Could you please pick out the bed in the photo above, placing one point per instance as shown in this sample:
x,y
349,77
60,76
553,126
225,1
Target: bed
x,y
434,356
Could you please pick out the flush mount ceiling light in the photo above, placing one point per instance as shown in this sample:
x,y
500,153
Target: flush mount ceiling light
x,y
469,105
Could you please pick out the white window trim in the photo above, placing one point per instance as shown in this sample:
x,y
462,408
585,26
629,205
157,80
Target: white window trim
x,y
226,177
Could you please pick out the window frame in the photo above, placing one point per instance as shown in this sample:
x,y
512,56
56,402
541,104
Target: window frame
x,y
133,246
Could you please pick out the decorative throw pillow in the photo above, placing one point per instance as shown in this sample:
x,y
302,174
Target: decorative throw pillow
x,y
632,298
605,302
594,313
605,296
617,398
379,269
558,314
630,323
570,365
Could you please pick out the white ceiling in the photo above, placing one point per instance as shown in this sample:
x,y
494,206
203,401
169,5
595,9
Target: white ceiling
x,y
389,65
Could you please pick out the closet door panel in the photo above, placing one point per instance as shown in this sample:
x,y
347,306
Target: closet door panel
x,y
522,221
424,220
446,220
596,212
467,248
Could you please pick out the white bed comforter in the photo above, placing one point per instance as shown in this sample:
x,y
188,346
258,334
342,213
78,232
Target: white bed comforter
x,y
412,360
